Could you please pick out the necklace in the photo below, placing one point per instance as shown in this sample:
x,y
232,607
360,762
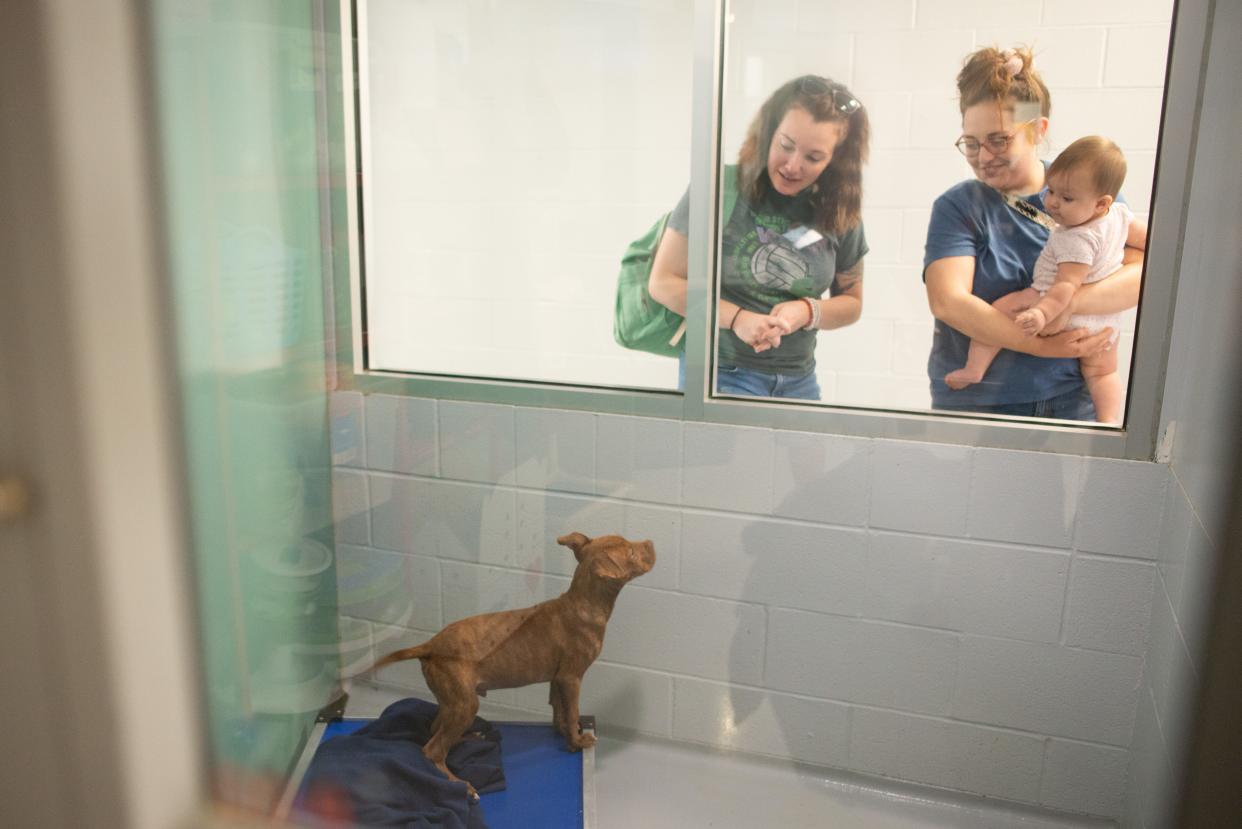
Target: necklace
x,y
1028,210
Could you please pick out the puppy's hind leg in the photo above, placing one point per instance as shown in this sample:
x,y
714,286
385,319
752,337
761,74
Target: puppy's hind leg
x,y
453,686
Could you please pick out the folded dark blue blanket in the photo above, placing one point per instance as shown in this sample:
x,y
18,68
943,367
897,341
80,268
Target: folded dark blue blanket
x,y
378,775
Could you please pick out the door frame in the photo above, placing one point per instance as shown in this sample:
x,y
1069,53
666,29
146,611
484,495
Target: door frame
x,y
106,679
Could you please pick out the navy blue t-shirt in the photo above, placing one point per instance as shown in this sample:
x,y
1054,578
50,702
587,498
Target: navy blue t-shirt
x,y
971,219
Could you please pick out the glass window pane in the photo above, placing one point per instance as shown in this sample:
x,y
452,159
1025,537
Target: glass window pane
x,y
879,344
510,153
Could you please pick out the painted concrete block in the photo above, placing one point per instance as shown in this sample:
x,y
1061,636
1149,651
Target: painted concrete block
x,y
762,722
555,449
1024,497
878,664
952,755
967,586
701,637
351,511
1048,689
727,467
773,563
639,458
1120,508
1109,605
920,487
388,588
477,442
1084,778
402,434
347,432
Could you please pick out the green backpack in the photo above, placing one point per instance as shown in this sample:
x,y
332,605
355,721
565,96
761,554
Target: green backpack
x,y
639,322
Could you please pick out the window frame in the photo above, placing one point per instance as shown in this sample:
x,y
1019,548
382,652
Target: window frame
x,y
1180,111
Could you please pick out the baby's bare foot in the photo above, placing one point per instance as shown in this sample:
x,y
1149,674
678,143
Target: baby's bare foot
x,y
960,379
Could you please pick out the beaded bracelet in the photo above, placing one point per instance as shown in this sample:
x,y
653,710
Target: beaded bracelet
x,y
815,313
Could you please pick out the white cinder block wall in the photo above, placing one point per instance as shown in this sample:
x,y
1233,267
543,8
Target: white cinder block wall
x,y
973,619
1205,370
480,154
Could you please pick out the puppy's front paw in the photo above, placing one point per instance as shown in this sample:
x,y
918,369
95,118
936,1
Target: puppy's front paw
x,y
581,741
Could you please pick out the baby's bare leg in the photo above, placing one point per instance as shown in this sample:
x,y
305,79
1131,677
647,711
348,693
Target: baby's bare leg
x,y
1099,370
981,355
978,361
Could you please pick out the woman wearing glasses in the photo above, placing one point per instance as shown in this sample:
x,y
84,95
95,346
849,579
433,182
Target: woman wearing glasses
x,y
794,234
982,243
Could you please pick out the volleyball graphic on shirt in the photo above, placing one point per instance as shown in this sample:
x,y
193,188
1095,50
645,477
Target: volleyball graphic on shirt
x,y
775,263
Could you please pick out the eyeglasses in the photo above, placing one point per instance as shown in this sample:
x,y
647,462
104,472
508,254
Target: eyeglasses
x,y
997,143
843,101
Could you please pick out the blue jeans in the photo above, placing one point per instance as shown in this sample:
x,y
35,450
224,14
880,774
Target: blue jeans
x,y
1073,405
748,381
752,383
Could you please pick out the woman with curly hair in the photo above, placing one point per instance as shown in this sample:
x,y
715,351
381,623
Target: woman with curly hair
x,y
795,234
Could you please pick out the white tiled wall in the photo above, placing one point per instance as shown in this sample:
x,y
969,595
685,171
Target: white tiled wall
x,y
1173,661
1205,368
965,618
515,151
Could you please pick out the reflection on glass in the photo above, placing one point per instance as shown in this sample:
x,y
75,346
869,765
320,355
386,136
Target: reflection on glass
x,y
792,233
1035,242
1098,77
1089,232
509,153
237,114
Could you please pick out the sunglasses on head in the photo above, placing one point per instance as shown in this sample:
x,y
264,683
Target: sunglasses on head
x,y
843,101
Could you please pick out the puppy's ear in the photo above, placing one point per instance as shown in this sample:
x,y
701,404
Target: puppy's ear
x,y
575,542
605,568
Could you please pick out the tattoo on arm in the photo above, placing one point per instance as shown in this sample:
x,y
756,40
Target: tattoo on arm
x,y
845,280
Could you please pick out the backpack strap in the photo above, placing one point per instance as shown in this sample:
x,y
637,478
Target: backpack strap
x,y
730,201
730,194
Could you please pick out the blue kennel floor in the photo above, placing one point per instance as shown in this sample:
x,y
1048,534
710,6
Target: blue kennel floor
x,y
544,781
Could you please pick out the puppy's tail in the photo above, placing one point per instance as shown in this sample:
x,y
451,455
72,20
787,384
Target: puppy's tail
x,y
416,652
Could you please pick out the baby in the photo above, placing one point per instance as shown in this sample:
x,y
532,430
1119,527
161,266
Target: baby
x,y
1092,231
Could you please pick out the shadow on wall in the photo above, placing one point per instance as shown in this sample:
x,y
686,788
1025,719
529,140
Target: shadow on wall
x,y
764,720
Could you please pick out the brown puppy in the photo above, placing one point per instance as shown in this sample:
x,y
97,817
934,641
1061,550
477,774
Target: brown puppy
x,y
554,641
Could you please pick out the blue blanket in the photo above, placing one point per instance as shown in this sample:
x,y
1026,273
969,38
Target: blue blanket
x,y
378,775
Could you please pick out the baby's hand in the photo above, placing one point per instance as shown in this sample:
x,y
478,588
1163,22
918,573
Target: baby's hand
x,y
1031,321
1056,325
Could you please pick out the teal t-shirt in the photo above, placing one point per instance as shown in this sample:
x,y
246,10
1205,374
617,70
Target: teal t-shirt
x,y
770,254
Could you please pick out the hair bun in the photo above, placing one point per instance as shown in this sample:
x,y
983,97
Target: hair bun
x,y
1013,62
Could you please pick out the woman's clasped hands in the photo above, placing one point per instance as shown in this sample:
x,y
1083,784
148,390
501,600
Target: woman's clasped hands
x,y
764,331
759,331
